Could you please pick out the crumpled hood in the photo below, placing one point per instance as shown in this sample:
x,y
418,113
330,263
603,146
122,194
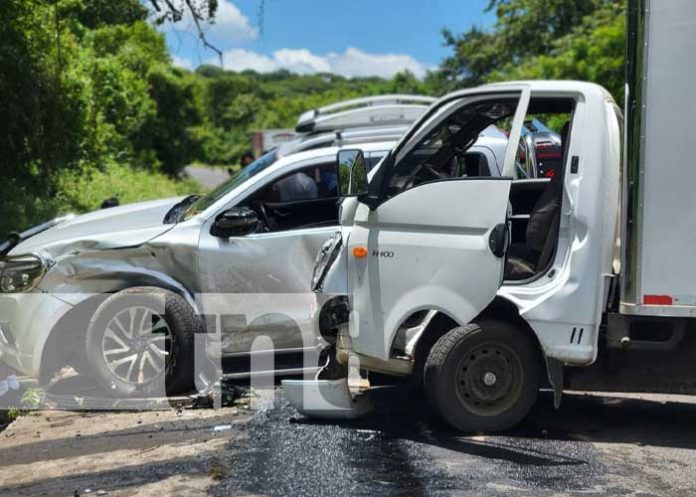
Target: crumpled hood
x,y
117,227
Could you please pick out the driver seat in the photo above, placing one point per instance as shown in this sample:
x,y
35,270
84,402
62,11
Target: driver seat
x,y
525,259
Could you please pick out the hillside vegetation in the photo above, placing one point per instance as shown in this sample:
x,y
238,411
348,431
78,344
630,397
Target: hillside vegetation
x,y
93,108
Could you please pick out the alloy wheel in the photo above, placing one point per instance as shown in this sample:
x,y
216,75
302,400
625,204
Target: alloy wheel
x,y
137,345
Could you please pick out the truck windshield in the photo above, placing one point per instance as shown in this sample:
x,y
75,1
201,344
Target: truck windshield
x,y
236,180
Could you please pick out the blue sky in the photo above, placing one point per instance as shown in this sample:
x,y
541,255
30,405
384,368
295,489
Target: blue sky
x,y
349,37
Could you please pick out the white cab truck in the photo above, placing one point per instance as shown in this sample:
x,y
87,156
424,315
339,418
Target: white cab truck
x,y
488,289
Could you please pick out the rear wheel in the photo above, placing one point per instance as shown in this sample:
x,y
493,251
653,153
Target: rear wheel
x,y
140,342
483,376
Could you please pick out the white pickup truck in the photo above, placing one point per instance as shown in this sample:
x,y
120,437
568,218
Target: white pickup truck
x,y
487,288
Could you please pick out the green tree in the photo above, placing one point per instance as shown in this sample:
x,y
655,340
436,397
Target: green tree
x,y
93,14
593,51
44,125
171,134
407,82
89,93
530,36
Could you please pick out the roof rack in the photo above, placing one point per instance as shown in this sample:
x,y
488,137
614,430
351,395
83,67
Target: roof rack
x,y
380,110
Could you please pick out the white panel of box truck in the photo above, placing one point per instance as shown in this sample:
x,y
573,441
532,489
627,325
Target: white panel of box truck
x,y
488,289
659,266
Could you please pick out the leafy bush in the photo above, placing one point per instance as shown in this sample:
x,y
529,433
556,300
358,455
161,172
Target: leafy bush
x,y
93,108
82,192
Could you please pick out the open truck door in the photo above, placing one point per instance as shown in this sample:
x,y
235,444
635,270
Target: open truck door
x,y
426,236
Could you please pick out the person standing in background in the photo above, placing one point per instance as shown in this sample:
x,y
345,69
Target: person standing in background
x,y
247,158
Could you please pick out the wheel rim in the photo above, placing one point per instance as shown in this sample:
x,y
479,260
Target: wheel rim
x,y
137,345
489,379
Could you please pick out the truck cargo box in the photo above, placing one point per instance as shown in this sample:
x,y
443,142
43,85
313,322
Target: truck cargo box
x,y
659,207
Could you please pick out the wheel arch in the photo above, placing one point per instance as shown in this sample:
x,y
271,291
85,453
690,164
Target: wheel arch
x,y
500,309
68,334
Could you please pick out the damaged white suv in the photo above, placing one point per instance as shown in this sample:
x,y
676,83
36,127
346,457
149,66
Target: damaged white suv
x,y
121,293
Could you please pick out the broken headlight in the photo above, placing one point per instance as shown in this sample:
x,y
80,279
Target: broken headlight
x,y
21,273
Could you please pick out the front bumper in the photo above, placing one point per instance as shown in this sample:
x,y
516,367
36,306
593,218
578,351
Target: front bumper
x,y
26,321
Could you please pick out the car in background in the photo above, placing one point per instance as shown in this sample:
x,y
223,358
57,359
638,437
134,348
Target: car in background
x,y
547,147
361,120
376,119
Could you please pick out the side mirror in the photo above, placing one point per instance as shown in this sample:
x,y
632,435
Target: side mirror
x,y
237,221
352,173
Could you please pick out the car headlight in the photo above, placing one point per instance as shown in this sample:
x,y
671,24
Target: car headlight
x,y
325,258
20,273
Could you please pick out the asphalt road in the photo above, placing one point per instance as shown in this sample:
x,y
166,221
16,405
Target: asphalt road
x,y
595,445
208,177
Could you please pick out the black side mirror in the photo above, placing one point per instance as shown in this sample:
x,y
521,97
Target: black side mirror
x,y
238,221
352,174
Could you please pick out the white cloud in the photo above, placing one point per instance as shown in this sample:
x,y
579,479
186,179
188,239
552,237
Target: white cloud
x,y
231,28
352,62
238,59
301,61
355,62
182,62
231,25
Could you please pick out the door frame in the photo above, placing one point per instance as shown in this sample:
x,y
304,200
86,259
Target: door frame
x,y
430,119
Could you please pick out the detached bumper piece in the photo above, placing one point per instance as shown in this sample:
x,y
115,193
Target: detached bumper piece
x,y
329,399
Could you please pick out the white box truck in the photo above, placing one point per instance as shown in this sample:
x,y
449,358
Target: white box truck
x,y
488,289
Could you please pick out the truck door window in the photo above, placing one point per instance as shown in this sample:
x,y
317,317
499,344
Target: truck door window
x,y
442,154
302,199
536,205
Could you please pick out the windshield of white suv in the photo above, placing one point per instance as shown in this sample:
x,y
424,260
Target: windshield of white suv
x,y
237,179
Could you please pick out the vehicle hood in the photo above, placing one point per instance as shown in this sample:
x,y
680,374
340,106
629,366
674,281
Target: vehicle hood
x,y
117,227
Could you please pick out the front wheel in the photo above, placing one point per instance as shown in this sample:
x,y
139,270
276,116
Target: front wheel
x,y
140,343
483,376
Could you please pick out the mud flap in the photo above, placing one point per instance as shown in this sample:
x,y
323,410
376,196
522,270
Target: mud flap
x,y
554,368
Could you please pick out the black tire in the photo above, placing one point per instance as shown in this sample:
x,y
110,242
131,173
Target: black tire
x,y
483,377
178,321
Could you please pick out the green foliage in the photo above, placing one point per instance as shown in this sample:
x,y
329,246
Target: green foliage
x,y
97,13
169,131
593,51
32,398
236,104
85,191
547,39
13,413
93,108
88,92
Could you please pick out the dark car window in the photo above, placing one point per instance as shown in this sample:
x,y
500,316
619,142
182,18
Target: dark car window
x,y
237,179
301,199
373,159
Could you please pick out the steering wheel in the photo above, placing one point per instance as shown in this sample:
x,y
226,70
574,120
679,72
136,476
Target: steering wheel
x,y
415,175
261,209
